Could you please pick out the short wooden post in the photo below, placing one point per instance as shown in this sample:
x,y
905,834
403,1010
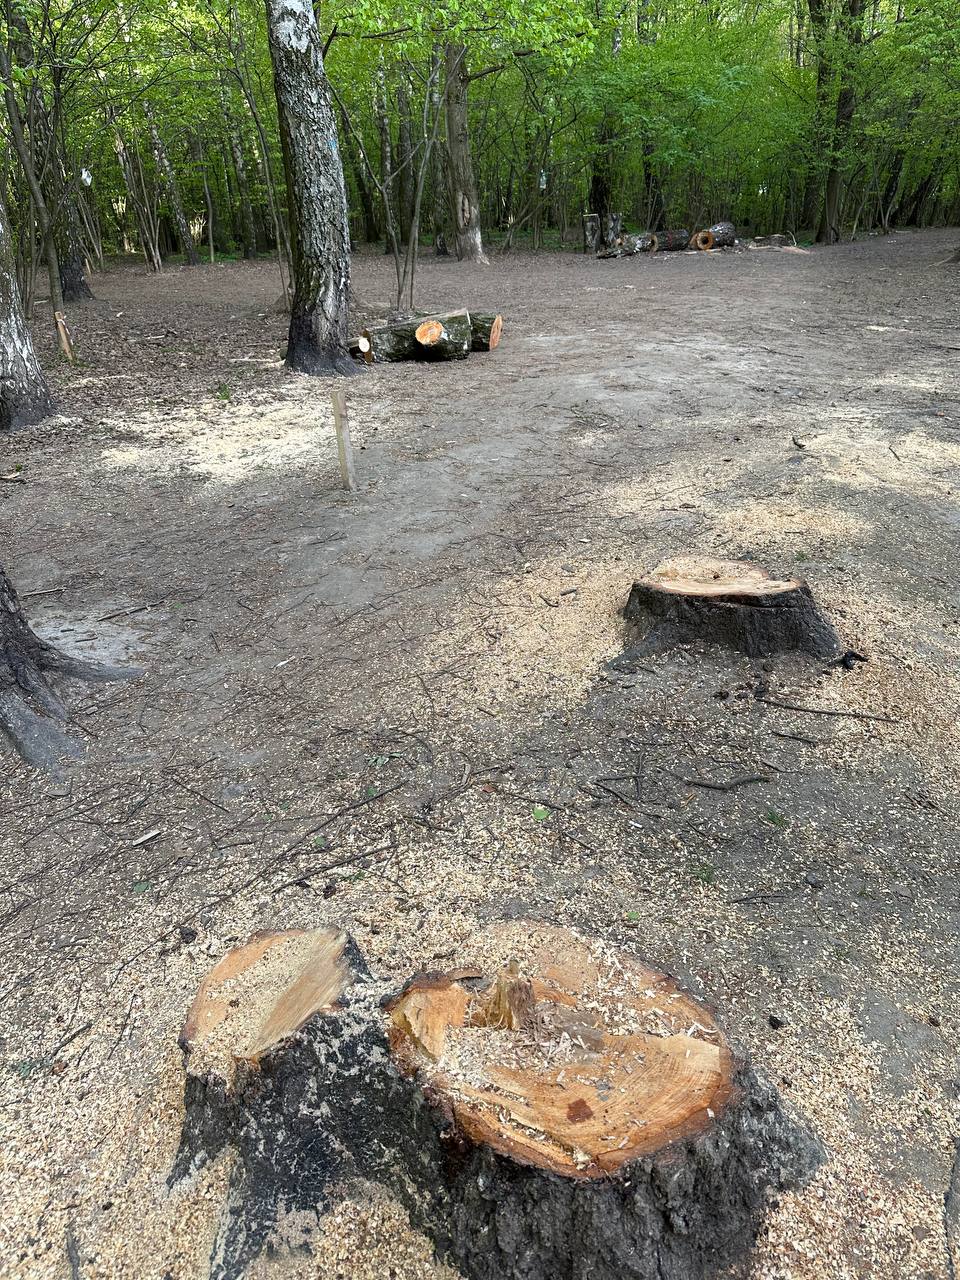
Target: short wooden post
x,y
344,448
63,336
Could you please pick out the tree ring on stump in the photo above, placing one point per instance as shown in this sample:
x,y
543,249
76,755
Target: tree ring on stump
x,y
262,993
704,240
730,602
576,1060
429,332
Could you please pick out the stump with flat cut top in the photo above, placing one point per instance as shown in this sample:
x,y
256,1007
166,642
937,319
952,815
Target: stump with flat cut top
x,y
728,602
550,1107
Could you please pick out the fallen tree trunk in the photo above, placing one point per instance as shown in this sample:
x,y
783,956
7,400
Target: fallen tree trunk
x,y
727,602
629,246
485,332
33,715
721,236
669,241
549,1108
448,338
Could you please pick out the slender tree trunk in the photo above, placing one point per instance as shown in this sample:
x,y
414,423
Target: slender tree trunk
x,y
464,200
320,235
73,282
386,155
23,390
405,160
248,230
371,229
184,234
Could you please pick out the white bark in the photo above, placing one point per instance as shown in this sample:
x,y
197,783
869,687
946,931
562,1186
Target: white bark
x,y
320,237
24,396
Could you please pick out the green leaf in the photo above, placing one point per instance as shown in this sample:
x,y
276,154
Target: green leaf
x,y
541,812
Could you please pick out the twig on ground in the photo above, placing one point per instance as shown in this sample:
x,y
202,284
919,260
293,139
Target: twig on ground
x,y
724,786
827,711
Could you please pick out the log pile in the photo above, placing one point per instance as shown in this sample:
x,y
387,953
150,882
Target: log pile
x,y
446,336
547,1107
728,602
722,235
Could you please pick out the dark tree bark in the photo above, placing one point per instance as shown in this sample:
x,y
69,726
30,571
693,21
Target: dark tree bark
x,y
464,200
32,713
248,229
24,396
670,241
371,227
850,29
320,233
643,1154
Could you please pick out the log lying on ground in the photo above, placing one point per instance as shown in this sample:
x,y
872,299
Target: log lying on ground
x,y
728,602
548,1108
628,246
447,335
665,241
772,242
486,331
721,236
448,338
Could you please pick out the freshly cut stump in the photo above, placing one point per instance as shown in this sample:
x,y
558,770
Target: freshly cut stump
x,y
728,602
486,331
550,1107
444,338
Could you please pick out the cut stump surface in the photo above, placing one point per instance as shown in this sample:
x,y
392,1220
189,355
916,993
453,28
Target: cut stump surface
x,y
551,1107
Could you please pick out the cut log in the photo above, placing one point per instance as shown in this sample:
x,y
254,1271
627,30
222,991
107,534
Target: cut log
x,y
551,1107
449,335
361,348
721,236
446,338
669,241
486,331
628,246
727,602
771,242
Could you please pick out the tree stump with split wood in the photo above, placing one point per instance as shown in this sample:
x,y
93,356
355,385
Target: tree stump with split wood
x,y
728,602
550,1107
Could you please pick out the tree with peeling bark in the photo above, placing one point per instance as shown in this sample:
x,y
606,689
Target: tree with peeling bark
x,y
24,396
320,234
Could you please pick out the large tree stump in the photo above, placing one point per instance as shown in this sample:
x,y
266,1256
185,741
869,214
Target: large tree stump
x,y
728,602
549,1108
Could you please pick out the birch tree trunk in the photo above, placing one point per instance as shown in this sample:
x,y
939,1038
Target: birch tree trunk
x,y
320,236
184,234
23,390
464,201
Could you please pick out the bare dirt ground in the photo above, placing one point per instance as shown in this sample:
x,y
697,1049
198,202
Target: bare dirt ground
x,y
401,709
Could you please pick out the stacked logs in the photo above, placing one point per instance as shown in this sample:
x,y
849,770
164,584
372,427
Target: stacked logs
x,y
447,336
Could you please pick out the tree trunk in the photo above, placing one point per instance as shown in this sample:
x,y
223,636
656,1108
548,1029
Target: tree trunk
x,y
248,229
320,234
405,169
670,241
184,234
464,200
24,396
722,235
371,228
73,282
850,29
550,1108
727,602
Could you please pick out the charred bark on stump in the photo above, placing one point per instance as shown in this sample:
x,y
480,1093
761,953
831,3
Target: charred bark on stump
x,y
321,1100
731,603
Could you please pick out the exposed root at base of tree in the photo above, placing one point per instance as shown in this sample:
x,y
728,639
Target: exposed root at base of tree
x,y
33,715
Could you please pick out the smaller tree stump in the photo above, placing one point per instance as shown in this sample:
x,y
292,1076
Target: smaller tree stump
x,y
728,602
550,1107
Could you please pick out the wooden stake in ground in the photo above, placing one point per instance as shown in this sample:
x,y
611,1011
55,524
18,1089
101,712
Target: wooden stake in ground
x,y
344,447
728,602
549,1107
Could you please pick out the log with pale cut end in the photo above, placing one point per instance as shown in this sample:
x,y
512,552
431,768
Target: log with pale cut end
x,y
361,348
444,337
721,236
392,342
669,241
727,602
486,331
549,1107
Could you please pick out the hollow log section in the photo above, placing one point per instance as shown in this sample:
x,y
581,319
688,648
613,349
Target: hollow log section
x,y
669,241
33,714
728,602
449,336
549,1108
721,236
